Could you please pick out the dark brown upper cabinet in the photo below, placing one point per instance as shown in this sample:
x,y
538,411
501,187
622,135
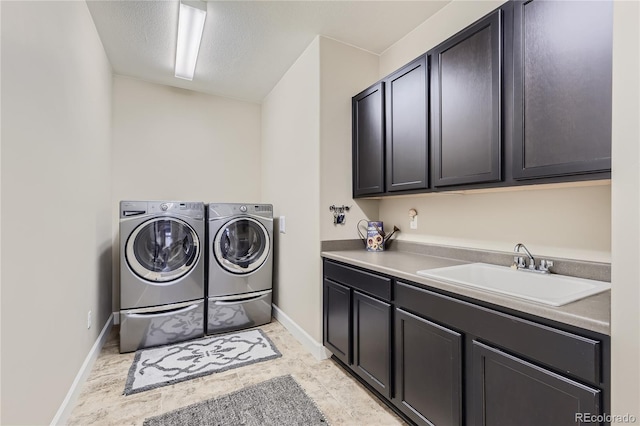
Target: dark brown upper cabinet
x,y
562,60
466,105
368,141
406,127
522,96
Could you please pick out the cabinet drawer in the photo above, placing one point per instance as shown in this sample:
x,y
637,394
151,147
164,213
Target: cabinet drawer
x,y
566,352
372,284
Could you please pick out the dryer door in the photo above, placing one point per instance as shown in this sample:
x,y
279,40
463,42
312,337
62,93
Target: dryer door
x,y
162,249
242,245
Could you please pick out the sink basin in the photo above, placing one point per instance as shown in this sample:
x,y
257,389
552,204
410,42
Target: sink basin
x,y
548,289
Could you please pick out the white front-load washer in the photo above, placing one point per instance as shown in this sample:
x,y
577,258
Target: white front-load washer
x,y
240,266
162,268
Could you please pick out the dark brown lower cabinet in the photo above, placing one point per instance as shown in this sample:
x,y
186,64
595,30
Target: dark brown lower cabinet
x,y
337,320
510,391
357,323
428,370
440,360
372,341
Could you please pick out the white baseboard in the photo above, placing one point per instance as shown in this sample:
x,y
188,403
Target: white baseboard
x,y
316,348
69,402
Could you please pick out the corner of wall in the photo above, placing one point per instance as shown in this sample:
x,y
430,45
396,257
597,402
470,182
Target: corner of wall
x,y
291,129
345,71
66,408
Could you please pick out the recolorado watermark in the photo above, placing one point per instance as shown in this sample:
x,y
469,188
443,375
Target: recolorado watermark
x,y
604,418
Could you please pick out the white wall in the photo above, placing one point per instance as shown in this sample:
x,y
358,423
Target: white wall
x,y
625,273
551,222
176,144
291,182
344,72
56,213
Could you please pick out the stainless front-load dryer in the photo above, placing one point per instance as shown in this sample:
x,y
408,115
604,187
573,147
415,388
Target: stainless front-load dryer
x,y
240,251
162,266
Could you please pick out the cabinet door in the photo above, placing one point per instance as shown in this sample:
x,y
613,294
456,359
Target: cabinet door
x,y
466,105
337,320
428,371
510,391
372,341
562,87
368,141
406,127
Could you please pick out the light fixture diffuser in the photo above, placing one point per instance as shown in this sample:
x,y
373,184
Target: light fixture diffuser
x,y
190,27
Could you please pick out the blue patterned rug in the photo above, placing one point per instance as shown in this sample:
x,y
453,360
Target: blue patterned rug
x,y
166,365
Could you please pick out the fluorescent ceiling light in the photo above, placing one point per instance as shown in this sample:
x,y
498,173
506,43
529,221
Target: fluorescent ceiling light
x,y
190,26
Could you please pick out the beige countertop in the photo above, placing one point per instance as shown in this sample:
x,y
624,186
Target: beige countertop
x,y
591,313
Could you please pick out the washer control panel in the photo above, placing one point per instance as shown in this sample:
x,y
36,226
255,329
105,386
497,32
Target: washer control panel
x,y
137,208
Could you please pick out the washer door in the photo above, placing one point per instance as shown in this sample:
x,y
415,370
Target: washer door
x,y
242,245
163,249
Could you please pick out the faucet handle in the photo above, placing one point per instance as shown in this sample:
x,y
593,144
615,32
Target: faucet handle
x,y
545,265
518,261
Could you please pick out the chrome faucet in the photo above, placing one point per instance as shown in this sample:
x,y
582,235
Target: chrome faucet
x,y
518,261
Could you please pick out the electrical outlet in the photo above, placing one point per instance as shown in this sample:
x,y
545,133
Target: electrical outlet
x,y
413,219
88,319
413,222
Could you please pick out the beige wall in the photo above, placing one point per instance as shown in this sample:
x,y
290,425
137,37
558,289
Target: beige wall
x,y
176,144
306,163
56,213
0,217
290,181
560,222
344,72
550,222
625,292
448,21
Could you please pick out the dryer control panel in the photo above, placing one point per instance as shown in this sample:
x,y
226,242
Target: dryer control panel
x,y
229,209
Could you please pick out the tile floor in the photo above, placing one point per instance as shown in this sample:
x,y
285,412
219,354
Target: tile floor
x,y
341,398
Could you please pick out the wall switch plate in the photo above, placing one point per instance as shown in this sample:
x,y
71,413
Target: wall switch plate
x,y
413,223
88,319
282,226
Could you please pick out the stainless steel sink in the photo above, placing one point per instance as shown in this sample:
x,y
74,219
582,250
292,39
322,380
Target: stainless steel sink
x,y
548,289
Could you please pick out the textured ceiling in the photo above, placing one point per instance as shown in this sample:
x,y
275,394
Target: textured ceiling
x,y
247,45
